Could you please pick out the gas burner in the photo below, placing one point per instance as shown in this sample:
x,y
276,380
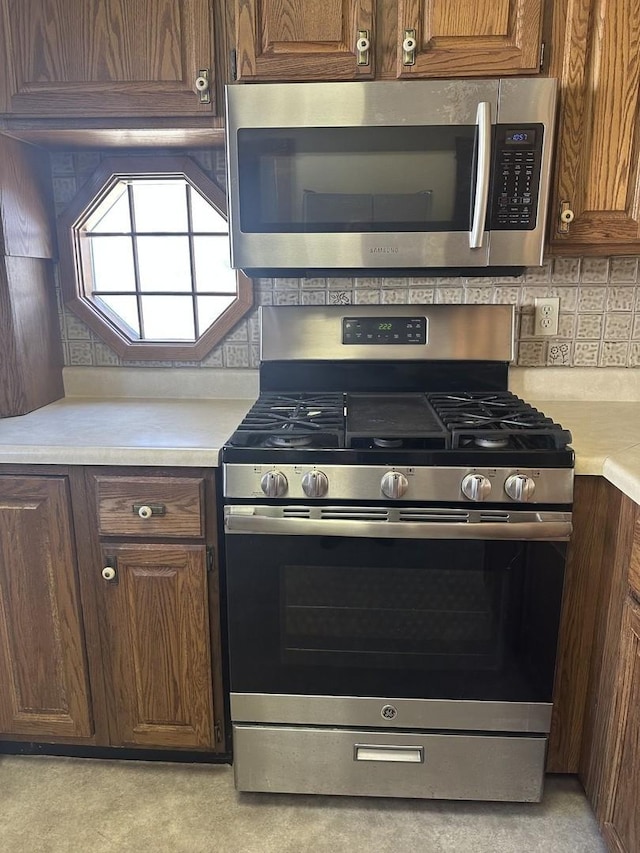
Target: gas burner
x,y
490,442
388,442
289,440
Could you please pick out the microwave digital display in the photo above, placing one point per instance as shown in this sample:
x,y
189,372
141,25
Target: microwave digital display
x,y
520,137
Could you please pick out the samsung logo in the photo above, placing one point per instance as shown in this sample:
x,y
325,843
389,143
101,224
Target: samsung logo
x,y
383,250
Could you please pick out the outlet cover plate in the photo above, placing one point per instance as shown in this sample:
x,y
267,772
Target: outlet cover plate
x,y
547,310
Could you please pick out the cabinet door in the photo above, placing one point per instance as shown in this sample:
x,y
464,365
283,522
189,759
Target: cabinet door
x,y
622,820
298,40
43,677
155,634
87,58
458,38
598,172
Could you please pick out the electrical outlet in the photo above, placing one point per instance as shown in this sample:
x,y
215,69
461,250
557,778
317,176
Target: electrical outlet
x,y
546,316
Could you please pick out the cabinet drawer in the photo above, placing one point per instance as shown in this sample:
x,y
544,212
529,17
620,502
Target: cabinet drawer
x,y
150,506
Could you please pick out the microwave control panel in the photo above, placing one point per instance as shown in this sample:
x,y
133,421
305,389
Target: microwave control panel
x,y
516,177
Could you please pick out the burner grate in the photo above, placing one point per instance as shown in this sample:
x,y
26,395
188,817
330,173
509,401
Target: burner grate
x,y
292,421
497,420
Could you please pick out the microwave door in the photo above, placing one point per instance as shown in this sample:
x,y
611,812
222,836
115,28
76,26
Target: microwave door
x,y
483,171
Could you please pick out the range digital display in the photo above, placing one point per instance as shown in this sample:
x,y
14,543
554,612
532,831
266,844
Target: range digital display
x,y
394,330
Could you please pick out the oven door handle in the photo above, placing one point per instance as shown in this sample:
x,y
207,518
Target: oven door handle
x,y
551,526
483,169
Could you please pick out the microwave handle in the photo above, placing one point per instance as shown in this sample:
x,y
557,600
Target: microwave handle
x,y
483,120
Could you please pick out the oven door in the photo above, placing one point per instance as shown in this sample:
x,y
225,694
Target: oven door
x,y
425,610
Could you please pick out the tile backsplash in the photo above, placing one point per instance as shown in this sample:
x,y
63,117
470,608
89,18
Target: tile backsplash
x,y
599,323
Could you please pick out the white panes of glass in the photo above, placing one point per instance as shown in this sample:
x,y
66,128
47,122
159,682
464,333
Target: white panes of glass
x,y
204,217
160,205
113,214
164,263
213,272
210,308
168,318
126,308
112,261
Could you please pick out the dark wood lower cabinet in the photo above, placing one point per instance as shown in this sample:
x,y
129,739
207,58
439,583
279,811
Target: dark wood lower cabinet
x,y
155,639
44,685
621,827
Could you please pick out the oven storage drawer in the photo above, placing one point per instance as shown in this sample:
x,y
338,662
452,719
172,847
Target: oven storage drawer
x,y
388,764
150,506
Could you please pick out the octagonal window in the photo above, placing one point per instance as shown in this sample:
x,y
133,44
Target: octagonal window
x,y
145,259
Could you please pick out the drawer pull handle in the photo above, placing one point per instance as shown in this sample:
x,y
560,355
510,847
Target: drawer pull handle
x,y
379,752
147,510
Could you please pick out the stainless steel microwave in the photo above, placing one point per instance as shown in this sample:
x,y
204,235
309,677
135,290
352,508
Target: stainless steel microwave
x,y
389,176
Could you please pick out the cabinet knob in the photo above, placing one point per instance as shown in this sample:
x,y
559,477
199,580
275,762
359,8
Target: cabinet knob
x,y
409,44
566,217
202,86
109,573
363,45
145,511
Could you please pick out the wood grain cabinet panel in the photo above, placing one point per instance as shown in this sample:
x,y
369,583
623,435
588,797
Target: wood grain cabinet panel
x,y
298,40
155,636
114,57
458,38
622,818
43,677
597,58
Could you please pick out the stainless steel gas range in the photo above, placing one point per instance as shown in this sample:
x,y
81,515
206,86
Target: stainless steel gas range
x,y
395,532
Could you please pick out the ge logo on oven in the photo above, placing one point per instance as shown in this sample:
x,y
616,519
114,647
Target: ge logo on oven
x,y
389,712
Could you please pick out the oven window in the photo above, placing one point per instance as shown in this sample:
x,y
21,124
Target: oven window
x,y
403,618
356,179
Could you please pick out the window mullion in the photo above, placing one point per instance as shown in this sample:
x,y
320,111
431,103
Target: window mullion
x,y
136,265
192,261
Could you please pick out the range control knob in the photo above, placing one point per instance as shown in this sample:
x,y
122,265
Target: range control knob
x,y
519,487
476,487
274,484
394,484
315,484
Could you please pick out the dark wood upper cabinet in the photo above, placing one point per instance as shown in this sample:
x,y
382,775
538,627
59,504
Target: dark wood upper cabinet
x,y
294,40
298,40
118,58
43,674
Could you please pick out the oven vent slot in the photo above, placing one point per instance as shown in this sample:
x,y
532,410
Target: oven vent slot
x,y
495,515
296,512
433,515
355,514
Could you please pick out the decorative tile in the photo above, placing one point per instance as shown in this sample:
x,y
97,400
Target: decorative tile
x,y
635,330
478,281
313,297
80,353
449,295
263,297
340,297
286,284
214,358
590,326
236,355
478,295
253,326
565,270
313,283
592,298
614,354
532,353
530,293
105,356
620,298
394,296
395,283
254,355
623,269
594,269
371,283
634,355
421,282
421,295
62,163
617,327
64,189
239,333
568,296
506,295
585,354
340,283
526,324
534,274
509,279
567,326
286,297
366,297
559,353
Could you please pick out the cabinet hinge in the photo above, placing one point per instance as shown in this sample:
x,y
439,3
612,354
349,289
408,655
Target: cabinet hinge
x,y
542,46
217,732
233,64
210,558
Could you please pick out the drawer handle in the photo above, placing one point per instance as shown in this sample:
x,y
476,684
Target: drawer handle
x,y
378,752
147,510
